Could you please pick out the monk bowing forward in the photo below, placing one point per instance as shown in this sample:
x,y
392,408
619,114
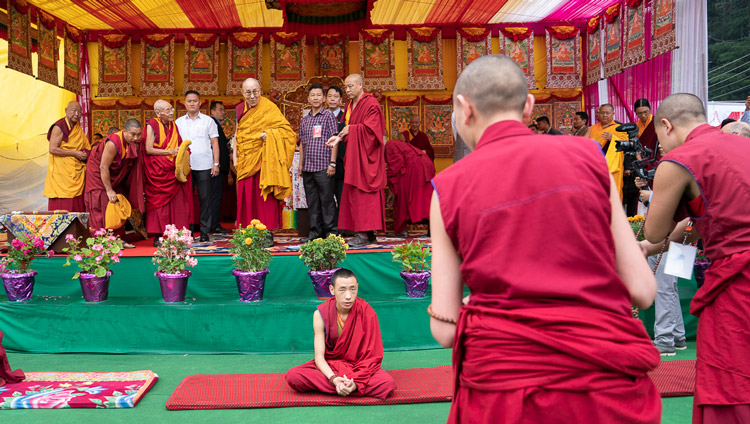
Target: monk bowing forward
x,y
348,347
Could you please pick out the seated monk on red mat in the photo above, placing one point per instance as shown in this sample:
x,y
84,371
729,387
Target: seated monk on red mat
x,y
348,347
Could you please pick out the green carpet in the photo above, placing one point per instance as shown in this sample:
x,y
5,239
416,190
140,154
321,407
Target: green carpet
x,y
173,368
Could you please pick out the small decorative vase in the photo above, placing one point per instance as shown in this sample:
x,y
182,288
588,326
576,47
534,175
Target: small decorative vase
x,y
416,283
173,285
320,281
250,284
95,289
19,286
699,269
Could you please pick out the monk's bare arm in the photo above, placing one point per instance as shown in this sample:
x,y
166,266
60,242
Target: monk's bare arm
x,y
319,328
447,285
153,151
670,183
108,155
629,260
55,140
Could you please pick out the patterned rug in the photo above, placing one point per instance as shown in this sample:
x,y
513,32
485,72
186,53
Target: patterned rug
x,y
674,378
48,390
233,391
289,244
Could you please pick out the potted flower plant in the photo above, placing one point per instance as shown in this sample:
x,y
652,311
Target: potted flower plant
x,y
322,256
18,278
171,258
94,258
251,259
636,223
416,274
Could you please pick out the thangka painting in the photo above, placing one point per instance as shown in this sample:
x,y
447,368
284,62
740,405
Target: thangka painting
x,y
71,75
634,37
19,37
104,119
123,114
563,57
436,120
243,60
543,109
612,36
202,63
424,47
157,65
229,121
332,55
376,59
471,44
593,51
48,48
400,111
114,66
663,33
288,60
518,44
564,112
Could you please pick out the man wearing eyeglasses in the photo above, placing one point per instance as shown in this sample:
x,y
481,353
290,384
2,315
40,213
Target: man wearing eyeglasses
x,y
264,151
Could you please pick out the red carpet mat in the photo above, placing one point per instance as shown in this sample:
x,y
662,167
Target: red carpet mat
x,y
674,378
233,391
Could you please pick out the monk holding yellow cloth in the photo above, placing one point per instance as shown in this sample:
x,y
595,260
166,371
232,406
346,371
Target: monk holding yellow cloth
x,y
263,155
604,132
66,174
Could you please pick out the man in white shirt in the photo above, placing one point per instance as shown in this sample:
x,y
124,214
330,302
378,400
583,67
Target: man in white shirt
x,y
202,131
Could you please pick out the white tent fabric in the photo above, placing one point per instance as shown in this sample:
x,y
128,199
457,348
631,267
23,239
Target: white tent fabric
x,y
690,60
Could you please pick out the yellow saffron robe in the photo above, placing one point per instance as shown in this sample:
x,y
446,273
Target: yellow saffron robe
x,y
615,159
66,175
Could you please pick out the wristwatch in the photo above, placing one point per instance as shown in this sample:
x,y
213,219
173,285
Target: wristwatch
x,y
216,164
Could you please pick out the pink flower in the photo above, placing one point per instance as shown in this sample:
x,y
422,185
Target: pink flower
x,y
98,258
116,259
70,237
50,253
113,238
53,399
97,246
38,243
106,252
192,261
17,244
27,252
119,253
100,232
77,258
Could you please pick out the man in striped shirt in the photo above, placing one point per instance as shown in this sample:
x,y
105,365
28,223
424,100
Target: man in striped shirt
x,y
318,164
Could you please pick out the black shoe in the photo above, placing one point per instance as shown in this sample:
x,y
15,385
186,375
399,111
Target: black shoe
x,y
269,241
221,231
371,237
306,239
157,243
203,238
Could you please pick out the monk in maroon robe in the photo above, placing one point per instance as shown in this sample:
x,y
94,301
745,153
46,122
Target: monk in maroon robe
x,y
348,346
533,225
8,376
168,201
704,175
362,206
107,170
410,172
417,138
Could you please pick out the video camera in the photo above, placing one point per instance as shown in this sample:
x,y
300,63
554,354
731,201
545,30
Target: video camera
x,y
633,147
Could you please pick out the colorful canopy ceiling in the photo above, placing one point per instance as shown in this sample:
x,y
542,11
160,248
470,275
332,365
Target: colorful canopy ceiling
x,y
103,16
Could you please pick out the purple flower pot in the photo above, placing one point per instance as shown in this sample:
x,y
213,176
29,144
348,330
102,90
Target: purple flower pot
x,y
173,285
19,286
416,283
250,284
95,289
699,269
320,281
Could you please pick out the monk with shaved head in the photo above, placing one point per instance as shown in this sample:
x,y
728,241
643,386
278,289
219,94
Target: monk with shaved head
x,y
604,132
362,205
69,149
533,225
737,128
264,151
168,201
704,176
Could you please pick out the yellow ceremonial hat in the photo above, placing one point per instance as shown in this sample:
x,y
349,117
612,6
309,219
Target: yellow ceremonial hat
x,y
182,162
117,213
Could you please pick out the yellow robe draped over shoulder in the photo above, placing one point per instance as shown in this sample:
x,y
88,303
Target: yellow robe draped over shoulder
x,y
271,158
615,159
66,175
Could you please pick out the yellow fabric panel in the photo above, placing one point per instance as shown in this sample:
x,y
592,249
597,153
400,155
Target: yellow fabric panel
x,y
71,14
525,10
254,14
401,12
66,175
540,61
164,13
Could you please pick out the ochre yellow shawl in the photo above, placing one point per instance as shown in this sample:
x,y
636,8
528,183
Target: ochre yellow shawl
x,y
615,159
66,175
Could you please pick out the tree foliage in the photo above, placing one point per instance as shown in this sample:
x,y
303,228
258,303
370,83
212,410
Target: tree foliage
x,y
728,49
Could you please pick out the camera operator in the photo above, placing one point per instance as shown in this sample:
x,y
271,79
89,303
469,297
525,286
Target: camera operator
x,y
705,175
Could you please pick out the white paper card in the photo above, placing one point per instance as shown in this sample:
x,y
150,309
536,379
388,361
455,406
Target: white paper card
x,y
680,260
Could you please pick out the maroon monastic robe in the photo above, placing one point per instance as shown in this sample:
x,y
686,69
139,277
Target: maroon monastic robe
x,y
548,334
96,194
409,174
7,375
168,201
357,354
421,142
362,201
719,164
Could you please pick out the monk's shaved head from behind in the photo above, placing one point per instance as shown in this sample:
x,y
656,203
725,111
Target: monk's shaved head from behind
x,y
737,128
494,83
681,109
